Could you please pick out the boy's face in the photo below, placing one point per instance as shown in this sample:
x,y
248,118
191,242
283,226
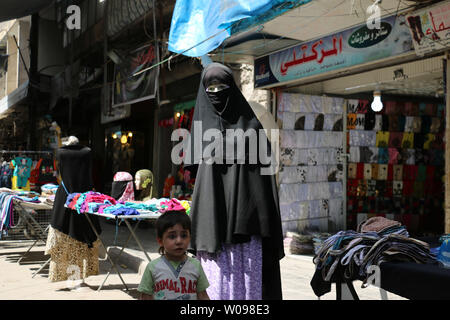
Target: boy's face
x,y
175,241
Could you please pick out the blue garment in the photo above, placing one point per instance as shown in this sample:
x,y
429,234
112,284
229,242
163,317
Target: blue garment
x,y
120,209
194,21
142,206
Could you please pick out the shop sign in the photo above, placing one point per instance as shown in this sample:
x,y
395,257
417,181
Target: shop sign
x,y
348,48
118,113
128,88
430,28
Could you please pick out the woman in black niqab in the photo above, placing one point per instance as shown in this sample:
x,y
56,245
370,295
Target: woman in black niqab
x,y
236,222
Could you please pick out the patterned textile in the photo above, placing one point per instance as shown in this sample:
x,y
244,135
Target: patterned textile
x,y
235,273
128,194
69,255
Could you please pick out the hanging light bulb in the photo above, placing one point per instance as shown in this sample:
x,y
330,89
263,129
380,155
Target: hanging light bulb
x,y
124,139
114,136
377,105
130,134
178,115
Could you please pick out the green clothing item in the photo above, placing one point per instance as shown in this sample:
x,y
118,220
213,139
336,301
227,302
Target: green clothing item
x,y
170,280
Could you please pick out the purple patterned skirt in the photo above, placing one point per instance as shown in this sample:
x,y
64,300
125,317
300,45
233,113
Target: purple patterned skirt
x,y
235,273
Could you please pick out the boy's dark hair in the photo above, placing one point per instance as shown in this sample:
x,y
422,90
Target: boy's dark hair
x,y
168,220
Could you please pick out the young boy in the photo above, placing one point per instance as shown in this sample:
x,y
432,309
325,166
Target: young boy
x,y
174,275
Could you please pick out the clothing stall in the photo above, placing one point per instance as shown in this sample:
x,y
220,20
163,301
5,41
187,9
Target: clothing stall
x,y
26,199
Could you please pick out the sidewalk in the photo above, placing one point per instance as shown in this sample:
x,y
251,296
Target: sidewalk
x,y
16,282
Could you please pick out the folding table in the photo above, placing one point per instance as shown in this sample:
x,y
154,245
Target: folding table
x,y
144,215
24,211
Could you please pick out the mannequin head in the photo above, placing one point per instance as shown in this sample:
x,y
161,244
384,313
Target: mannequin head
x,y
122,187
144,182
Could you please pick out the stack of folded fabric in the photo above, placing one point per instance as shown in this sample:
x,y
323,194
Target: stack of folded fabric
x,y
378,240
49,189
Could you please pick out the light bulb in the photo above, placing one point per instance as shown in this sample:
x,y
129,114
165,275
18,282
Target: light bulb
x,y
178,115
130,134
124,139
114,136
377,105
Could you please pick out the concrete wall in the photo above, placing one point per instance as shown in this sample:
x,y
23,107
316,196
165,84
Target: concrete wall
x,y
247,87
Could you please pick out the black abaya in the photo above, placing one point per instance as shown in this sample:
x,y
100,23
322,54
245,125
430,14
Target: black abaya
x,y
232,202
75,168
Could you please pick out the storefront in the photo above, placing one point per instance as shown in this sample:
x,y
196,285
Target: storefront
x,y
342,159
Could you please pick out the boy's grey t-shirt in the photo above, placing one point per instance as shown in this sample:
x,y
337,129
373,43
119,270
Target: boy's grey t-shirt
x,y
167,280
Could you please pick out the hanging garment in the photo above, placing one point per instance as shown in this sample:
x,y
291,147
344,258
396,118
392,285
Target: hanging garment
x,y
409,121
22,170
393,156
378,122
382,172
395,139
429,138
408,140
5,176
370,119
75,167
382,139
383,155
408,156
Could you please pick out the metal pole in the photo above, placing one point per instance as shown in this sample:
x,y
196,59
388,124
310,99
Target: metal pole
x,y
447,139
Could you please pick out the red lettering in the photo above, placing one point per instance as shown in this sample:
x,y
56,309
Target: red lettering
x,y
183,284
164,284
176,287
190,289
171,288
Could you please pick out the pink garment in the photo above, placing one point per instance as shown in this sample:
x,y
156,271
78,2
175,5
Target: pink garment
x,y
393,155
128,194
172,205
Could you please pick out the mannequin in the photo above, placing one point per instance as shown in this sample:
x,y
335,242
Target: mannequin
x,y
144,183
71,241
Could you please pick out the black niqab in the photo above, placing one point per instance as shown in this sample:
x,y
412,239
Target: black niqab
x,y
233,201
75,168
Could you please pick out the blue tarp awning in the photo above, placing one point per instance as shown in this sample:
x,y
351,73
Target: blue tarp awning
x,y
202,25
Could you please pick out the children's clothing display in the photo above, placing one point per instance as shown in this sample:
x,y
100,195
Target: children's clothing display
x,y
21,174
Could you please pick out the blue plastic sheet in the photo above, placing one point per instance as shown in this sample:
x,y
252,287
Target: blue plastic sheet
x,y
202,25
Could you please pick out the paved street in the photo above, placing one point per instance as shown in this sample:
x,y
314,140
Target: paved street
x,y
16,280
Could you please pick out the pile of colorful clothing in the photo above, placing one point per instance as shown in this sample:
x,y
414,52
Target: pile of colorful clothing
x,y
95,202
7,208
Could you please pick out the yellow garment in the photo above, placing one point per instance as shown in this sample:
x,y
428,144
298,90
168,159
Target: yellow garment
x,y
429,139
14,185
408,140
351,121
185,205
382,139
